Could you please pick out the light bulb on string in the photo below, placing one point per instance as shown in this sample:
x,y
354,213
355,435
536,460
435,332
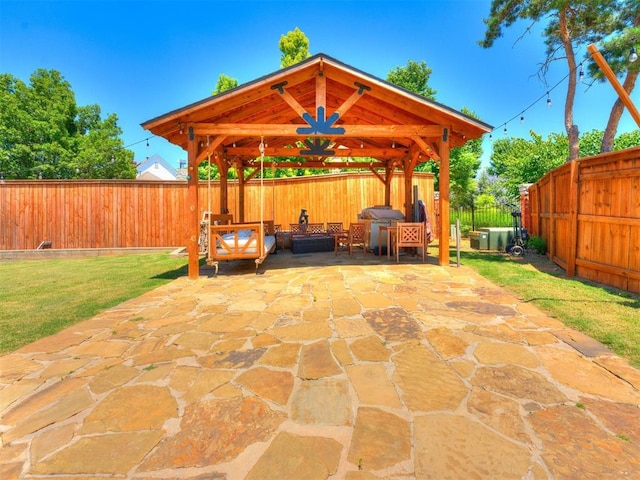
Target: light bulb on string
x,y
521,118
147,143
505,130
581,75
548,100
633,55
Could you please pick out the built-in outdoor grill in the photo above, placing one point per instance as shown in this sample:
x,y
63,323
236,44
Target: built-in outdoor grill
x,y
374,218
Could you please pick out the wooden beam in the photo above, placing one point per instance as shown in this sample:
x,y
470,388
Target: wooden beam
x,y
348,103
193,229
622,93
443,242
321,90
290,130
292,102
317,164
252,152
208,150
426,149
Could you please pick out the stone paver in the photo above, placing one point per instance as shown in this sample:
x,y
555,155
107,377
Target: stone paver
x,y
321,367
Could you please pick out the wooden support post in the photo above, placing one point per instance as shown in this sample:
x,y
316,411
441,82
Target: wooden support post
x,y
321,90
223,166
573,218
551,240
408,195
538,230
387,185
241,193
443,253
410,164
622,93
193,229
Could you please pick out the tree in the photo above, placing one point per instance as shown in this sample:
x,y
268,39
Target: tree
x,y
569,23
294,47
515,161
225,82
413,77
616,52
464,161
44,134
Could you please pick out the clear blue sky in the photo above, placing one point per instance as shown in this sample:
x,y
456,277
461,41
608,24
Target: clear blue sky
x,y
141,59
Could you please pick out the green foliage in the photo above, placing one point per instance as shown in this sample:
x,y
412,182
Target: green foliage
x,y
464,161
615,48
294,48
627,140
537,244
568,25
485,200
517,160
480,217
225,82
413,77
44,134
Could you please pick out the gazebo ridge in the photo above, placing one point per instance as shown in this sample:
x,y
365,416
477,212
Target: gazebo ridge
x,y
318,109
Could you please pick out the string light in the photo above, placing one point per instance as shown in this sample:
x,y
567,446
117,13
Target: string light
x,y
547,94
140,141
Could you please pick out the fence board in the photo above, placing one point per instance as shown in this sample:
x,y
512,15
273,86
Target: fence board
x,y
607,217
122,214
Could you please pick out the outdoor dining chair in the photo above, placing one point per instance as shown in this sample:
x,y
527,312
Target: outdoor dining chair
x,y
356,236
410,235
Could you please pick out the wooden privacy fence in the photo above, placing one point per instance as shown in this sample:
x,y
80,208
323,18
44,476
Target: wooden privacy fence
x,y
123,214
589,213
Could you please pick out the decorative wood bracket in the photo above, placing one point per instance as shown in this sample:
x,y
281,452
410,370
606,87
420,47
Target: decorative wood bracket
x,y
320,125
317,148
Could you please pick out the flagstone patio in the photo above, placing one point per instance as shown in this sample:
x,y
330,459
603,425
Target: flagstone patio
x,y
320,367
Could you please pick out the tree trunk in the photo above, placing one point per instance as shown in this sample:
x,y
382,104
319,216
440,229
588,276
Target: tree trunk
x,y
572,130
616,113
618,107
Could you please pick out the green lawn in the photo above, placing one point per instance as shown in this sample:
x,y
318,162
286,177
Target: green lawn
x,y
39,298
610,316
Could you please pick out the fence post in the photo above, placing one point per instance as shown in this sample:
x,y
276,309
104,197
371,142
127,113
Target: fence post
x,y
573,217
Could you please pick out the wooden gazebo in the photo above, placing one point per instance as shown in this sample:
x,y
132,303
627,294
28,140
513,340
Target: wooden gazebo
x,y
317,109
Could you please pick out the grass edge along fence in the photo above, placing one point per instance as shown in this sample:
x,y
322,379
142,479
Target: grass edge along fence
x,y
588,211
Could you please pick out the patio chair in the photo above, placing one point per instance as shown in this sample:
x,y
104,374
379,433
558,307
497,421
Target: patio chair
x,y
410,235
316,229
334,228
356,235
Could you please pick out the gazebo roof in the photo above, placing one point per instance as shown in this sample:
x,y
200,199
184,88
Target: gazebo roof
x,y
318,109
